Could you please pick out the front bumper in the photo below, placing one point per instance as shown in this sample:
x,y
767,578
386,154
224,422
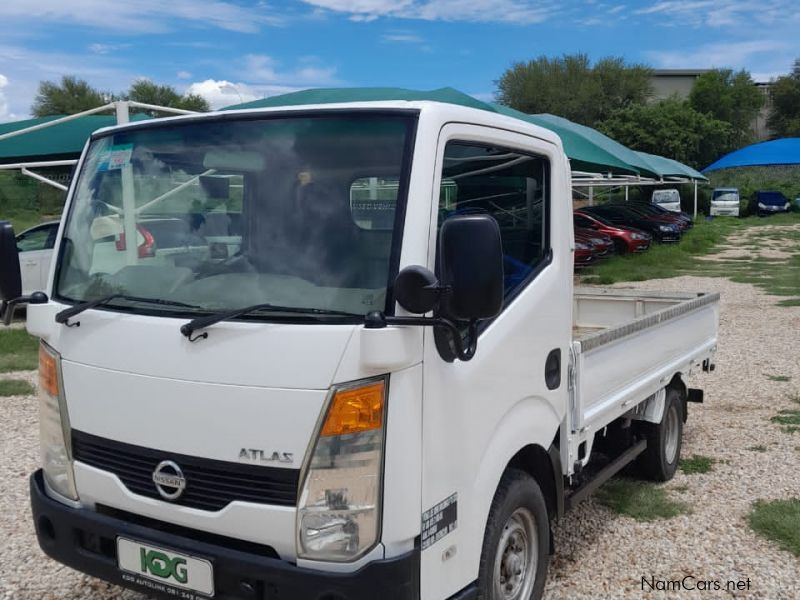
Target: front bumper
x,y
86,540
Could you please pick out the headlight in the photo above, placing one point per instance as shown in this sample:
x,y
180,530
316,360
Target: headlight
x,y
665,228
338,515
640,236
54,431
762,205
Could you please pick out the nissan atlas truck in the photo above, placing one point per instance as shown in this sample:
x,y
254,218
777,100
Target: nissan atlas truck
x,y
364,373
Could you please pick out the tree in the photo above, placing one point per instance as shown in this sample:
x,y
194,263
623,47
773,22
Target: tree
x,y
571,87
670,127
784,116
71,96
148,92
731,97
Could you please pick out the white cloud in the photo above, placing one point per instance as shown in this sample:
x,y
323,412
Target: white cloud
x,y
722,13
5,115
183,75
107,48
260,68
142,16
722,54
523,12
402,37
221,93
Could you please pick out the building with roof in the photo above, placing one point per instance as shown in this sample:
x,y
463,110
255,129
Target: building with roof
x,y
670,82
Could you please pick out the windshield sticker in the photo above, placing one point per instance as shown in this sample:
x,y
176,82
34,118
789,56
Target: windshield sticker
x,y
440,520
116,158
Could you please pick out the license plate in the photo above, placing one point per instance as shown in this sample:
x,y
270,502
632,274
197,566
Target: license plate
x,y
164,570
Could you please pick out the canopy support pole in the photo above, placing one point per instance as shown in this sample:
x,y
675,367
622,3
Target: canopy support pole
x,y
695,200
626,193
43,179
591,196
122,111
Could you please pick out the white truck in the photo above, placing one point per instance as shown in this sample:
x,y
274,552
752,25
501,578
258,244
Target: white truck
x,y
384,394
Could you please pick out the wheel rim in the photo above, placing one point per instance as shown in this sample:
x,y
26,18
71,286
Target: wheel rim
x,y
672,435
517,557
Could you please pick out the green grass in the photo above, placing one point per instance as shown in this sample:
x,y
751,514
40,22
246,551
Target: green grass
x,y
779,521
776,276
18,351
790,419
638,499
782,378
22,219
15,387
696,464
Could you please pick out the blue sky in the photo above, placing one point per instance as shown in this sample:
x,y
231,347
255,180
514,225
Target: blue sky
x,y
231,50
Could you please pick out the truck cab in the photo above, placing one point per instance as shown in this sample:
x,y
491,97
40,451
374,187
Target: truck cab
x,y
669,199
367,376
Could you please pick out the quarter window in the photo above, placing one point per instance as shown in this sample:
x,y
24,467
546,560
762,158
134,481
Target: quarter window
x,y
512,187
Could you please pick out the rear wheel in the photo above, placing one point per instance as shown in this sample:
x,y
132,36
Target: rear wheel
x,y
660,459
515,546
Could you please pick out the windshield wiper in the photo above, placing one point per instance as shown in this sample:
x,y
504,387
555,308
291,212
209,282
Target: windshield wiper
x,y
65,315
187,329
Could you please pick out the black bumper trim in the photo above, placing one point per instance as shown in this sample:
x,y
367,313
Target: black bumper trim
x,y
86,540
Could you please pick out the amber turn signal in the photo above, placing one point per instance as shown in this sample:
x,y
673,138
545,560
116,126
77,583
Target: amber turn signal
x,y
48,372
354,410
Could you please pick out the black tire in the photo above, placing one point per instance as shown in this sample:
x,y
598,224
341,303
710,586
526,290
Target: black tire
x,y
517,501
620,247
660,459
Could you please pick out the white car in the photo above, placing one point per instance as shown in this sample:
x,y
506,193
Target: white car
x,y
725,202
669,199
35,247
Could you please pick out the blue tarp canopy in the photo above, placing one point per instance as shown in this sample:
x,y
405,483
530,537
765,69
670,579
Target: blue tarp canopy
x,y
785,151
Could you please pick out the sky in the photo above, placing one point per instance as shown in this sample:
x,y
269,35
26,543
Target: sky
x,y
231,50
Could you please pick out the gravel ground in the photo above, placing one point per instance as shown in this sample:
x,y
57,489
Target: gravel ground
x,y
599,554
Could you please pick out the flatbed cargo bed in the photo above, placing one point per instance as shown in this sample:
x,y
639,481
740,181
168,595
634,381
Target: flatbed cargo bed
x,y
626,346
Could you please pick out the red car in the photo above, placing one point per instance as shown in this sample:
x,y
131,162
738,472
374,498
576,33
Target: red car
x,y
625,239
601,242
584,252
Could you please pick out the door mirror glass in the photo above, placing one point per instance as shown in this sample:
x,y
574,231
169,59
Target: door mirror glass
x,y
10,277
471,265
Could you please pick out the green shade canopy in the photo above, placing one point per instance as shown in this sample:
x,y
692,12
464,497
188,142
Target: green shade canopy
x,y
667,167
588,150
63,141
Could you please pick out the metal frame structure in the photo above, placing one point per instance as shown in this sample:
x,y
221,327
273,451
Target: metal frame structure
x,y
612,181
121,110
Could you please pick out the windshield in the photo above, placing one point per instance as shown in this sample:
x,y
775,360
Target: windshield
x,y
665,196
298,212
725,196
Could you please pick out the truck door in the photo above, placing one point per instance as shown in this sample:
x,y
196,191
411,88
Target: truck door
x,y
35,248
477,415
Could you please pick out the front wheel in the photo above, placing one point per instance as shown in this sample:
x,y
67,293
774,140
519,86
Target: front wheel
x,y
515,545
660,459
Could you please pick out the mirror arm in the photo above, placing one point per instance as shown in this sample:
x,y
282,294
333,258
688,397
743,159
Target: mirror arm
x,y
9,308
377,320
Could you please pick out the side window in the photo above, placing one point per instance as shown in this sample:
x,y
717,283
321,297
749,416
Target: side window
x,y
35,239
512,187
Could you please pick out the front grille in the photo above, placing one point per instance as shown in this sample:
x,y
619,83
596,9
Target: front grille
x,y
210,484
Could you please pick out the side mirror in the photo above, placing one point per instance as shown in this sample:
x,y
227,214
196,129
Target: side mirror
x,y
471,265
417,289
10,277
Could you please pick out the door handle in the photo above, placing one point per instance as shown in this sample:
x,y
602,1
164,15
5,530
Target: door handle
x,y
552,369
